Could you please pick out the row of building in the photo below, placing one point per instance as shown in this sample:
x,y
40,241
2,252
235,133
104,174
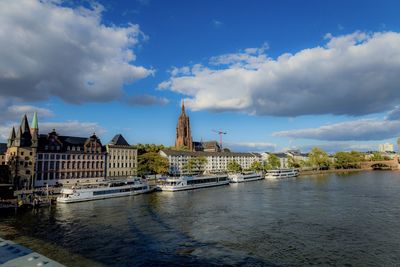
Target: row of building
x,y
30,159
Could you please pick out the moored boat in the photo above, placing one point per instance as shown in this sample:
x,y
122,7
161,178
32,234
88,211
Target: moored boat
x,y
103,190
245,177
191,182
282,173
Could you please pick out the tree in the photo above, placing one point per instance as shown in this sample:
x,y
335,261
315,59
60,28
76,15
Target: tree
x,y
295,163
319,158
272,163
146,148
195,164
233,166
152,163
256,166
348,160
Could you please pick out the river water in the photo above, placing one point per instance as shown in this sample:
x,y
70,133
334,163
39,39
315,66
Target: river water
x,y
349,219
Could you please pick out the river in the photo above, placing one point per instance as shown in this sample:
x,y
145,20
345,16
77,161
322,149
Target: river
x,y
334,219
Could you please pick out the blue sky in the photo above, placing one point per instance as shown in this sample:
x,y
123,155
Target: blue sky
x,y
273,74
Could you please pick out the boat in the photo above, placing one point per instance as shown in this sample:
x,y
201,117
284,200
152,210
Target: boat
x,y
282,173
191,182
103,190
245,177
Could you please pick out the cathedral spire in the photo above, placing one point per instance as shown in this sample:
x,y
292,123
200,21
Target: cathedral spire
x,y
11,138
35,130
183,132
34,124
183,108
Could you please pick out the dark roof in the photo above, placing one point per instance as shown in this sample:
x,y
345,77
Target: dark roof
x,y
280,155
210,144
119,140
205,154
66,141
3,148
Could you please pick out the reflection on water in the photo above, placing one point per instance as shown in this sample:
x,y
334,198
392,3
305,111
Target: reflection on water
x,y
331,219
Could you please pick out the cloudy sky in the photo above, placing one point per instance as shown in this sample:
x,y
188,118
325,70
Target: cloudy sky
x,y
273,74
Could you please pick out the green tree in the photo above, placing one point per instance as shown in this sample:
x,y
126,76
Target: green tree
x,y
256,166
147,148
319,158
295,163
348,160
195,164
152,163
233,166
272,163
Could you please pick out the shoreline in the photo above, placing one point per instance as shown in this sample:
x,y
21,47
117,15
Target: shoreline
x,y
302,173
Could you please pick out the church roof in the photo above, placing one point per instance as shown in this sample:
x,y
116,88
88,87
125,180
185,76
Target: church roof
x,y
34,124
119,140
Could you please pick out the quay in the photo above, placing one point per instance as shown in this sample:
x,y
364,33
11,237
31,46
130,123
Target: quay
x,y
14,255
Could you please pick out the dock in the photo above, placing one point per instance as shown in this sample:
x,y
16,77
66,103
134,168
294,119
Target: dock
x,y
14,255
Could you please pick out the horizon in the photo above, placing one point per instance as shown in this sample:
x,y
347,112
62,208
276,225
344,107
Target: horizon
x,y
273,75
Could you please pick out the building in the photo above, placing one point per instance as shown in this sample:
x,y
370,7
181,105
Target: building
x,y
216,161
37,160
3,150
386,147
297,155
183,132
121,158
4,170
21,153
63,160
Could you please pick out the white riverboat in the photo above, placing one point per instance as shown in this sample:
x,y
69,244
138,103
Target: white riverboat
x,y
103,190
282,173
245,177
191,182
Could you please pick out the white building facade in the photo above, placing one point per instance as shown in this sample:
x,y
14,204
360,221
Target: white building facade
x,y
121,158
216,161
386,147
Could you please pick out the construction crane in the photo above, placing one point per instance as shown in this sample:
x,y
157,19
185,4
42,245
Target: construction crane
x,y
220,132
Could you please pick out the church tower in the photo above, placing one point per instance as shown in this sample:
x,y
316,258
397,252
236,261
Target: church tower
x,y
183,132
34,131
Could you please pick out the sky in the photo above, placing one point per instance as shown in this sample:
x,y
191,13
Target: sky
x,y
274,75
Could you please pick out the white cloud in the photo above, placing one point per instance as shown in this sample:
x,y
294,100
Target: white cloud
x,y
47,49
15,112
250,146
354,74
364,129
74,128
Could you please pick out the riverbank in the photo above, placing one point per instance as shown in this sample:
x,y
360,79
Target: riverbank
x,y
314,172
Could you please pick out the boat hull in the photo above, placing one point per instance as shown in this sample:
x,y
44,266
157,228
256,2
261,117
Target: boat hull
x,y
242,180
91,198
191,187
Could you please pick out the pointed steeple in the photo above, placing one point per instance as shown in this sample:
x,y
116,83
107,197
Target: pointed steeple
x,y
17,140
11,138
25,124
183,113
35,130
34,124
26,137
